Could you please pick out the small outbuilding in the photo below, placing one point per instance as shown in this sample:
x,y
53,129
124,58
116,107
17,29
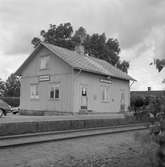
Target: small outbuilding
x,y
57,80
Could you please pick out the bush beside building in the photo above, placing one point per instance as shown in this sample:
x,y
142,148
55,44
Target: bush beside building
x,y
12,101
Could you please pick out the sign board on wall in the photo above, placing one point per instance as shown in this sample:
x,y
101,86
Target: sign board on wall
x,y
44,78
106,81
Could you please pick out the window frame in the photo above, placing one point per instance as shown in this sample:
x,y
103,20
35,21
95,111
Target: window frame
x,y
84,91
34,93
105,93
44,65
53,89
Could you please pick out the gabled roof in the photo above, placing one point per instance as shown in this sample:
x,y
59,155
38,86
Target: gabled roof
x,y
115,72
83,62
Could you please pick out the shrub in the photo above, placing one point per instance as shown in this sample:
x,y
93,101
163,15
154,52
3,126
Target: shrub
x,y
137,102
12,101
156,106
142,107
149,147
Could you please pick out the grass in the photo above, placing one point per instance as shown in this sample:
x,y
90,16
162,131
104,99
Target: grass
x,y
141,152
149,147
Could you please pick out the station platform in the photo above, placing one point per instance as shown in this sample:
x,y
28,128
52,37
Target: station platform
x,y
10,118
18,124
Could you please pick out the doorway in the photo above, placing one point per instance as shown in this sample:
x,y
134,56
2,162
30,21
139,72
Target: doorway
x,y
83,97
122,101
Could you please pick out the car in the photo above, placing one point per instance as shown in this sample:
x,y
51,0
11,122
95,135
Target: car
x,y
15,110
4,108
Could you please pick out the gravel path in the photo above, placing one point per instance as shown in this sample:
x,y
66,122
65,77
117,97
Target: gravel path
x,y
114,150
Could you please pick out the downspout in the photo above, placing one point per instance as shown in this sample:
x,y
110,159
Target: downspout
x,y
20,103
72,103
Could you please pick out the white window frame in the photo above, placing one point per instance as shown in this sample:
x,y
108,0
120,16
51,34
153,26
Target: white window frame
x,y
53,89
44,60
34,91
105,93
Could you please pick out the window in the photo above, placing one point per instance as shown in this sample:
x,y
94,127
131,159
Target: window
x,y
84,92
84,97
55,92
105,93
34,94
44,62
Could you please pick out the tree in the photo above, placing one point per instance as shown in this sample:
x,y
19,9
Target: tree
x,y
160,64
123,66
2,87
80,36
35,41
57,35
96,45
137,102
12,86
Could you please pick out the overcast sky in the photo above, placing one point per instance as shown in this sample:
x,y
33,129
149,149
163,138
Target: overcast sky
x,y
139,26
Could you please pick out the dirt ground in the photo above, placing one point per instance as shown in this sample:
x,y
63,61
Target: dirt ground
x,y
116,150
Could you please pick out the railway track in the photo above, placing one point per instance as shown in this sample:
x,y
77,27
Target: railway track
x,y
34,138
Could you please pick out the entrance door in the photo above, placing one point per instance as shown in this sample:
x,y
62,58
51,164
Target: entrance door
x,y
83,97
122,101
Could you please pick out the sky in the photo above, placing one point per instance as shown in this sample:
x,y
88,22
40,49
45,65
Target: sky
x,y
139,25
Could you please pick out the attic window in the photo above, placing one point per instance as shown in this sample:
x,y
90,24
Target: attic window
x,y
34,93
44,62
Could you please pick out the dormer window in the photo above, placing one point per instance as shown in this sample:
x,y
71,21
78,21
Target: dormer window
x,y
44,62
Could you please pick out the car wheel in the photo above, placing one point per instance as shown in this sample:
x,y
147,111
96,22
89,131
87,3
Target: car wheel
x,y
1,113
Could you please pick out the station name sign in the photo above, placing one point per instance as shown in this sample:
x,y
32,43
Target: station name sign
x,y
106,81
44,78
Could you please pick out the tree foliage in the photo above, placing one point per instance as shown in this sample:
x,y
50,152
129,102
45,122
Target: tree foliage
x,y
160,64
148,104
137,102
96,45
11,86
60,35
2,87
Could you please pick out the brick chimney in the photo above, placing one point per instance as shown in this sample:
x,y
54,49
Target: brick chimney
x,y
80,49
